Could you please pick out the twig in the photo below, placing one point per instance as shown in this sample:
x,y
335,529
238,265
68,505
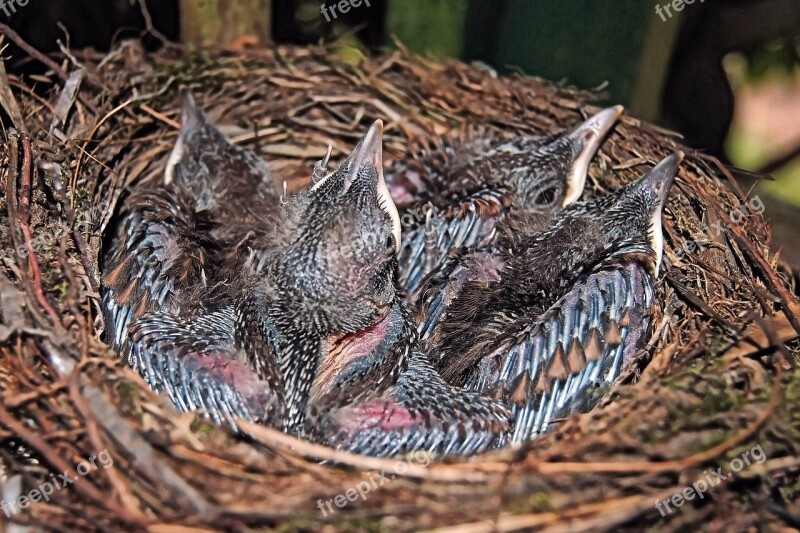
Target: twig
x,y
145,458
725,172
754,340
779,162
611,512
49,63
23,218
148,21
8,101
33,52
272,438
698,302
160,116
123,105
773,282
54,171
121,486
50,454
554,468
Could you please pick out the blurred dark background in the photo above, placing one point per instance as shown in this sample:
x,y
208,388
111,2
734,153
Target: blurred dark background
x,y
726,75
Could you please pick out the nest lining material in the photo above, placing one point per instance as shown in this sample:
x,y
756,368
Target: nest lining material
x,y
696,405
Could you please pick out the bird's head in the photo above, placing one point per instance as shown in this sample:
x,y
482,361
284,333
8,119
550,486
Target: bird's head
x,y
212,169
633,215
550,173
336,257
598,233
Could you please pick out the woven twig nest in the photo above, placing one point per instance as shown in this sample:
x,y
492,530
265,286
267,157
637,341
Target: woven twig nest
x,y
701,398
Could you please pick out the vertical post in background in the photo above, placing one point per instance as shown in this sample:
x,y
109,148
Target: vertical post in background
x,y
653,68
434,28
225,22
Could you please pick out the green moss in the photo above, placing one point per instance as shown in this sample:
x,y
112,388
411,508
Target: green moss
x,y
202,427
540,502
80,194
350,54
62,289
537,502
718,341
198,69
128,394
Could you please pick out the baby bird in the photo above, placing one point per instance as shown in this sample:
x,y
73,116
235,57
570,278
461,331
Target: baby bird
x,y
316,342
160,253
469,189
372,394
251,347
537,322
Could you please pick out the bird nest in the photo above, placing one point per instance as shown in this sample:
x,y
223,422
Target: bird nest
x,y
713,391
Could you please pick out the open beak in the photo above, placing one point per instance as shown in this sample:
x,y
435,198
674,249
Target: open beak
x,y
590,134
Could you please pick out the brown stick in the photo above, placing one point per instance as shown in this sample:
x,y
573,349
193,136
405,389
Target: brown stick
x,y
23,218
555,468
774,284
33,52
49,63
50,454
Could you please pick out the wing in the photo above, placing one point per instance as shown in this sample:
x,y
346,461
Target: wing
x,y
419,413
197,364
214,194
469,223
441,289
548,367
157,256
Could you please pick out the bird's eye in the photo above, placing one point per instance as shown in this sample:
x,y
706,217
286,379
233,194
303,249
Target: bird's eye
x,y
546,197
390,242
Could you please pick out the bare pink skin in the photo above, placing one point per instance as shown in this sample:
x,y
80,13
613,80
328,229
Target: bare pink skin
x,y
400,193
386,416
226,367
342,351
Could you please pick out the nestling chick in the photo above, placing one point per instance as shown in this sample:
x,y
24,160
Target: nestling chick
x,y
370,394
316,342
537,323
260,338
160,254
467,190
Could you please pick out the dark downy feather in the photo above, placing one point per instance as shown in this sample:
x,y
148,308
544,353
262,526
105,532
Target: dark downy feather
x,y
540,323
468,188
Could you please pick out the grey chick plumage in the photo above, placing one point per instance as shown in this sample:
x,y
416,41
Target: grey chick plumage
x,y
461,191
538,321
316,331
